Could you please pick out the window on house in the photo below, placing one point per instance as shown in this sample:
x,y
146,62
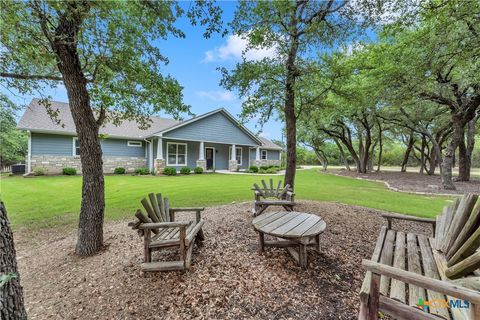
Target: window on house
x,y
134,143
176,154
76,147
264,155
238,154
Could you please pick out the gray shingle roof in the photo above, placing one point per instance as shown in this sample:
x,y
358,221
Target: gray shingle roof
x,y
269,144
37,119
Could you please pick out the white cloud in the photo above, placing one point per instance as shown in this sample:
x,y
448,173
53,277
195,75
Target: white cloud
x,y
266,135
216,95
234,48
350,48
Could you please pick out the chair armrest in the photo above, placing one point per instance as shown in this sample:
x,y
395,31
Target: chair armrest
x,y
436,285
185,209
391,216
258,194
156,225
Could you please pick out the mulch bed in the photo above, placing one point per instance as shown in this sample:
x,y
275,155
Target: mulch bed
x,y
229,278
415,182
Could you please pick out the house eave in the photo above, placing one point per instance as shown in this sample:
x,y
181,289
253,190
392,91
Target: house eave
x,y
72,133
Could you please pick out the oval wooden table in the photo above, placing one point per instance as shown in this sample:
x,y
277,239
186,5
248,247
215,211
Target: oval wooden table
x,y
293,230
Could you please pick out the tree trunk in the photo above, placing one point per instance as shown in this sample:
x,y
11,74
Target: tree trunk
x,y
465,152
90,227
290,116
11,293
380,147
432,161
406,156
322,158
342,155
447,163
362,154
422,155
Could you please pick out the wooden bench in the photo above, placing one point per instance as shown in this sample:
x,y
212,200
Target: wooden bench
x,y
413,276
271,196
160,231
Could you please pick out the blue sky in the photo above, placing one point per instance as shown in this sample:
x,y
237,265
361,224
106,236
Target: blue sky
x,y
194,62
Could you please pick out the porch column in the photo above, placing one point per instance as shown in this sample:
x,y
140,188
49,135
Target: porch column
x,y
160,148
234,151
29,155
232,163
150,155
257,153
201,162
201,152
159,162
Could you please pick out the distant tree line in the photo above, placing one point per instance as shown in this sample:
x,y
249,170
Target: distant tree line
x,y
393,156
13,142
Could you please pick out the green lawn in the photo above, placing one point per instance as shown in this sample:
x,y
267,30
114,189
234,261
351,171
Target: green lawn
x,y
55,200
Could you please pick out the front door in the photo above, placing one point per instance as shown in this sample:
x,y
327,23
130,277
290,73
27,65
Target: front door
x,y
209,156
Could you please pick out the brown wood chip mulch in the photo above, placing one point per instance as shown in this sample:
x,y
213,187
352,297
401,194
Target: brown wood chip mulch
x,y
415,182
229,278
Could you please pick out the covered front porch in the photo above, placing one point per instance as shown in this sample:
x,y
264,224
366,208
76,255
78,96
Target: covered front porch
x,y
166,152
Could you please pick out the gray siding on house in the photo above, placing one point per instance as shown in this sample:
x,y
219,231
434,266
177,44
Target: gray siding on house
x,y
51,144
214,128
120,148
62,145
271,154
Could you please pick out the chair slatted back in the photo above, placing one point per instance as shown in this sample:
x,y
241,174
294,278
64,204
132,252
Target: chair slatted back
x,y
157,208
269,191
457,236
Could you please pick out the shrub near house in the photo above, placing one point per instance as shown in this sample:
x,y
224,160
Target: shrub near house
x,y
69,171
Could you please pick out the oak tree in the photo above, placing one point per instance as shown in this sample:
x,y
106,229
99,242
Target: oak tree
x,y
107,55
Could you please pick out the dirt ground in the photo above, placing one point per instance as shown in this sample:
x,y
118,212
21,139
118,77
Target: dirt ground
x,y
415,182
229,278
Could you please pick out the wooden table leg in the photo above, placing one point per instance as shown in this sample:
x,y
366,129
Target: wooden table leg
x,y
317,239
261,238
302,256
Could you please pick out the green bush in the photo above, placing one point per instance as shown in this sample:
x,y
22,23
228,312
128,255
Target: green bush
x,y
119,170
68,171
142,171
268,170
169,171
198,170
185,170
253,169
39,172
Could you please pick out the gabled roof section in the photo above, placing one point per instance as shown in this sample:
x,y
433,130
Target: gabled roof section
x,y
36,119
205,115
269,144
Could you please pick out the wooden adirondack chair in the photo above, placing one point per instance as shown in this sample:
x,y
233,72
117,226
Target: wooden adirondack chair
x,y
160,231
407,270
271,196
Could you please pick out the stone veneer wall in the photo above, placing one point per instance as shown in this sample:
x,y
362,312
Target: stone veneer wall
x,y
159,165
55,164
202,164
265,163
232,165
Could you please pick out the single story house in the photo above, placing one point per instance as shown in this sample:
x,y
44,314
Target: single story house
x,y
214,140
